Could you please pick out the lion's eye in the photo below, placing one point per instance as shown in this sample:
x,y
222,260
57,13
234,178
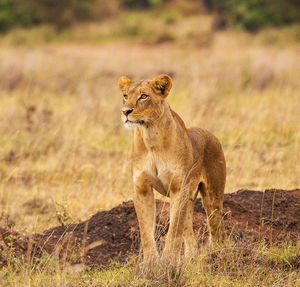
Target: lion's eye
x,y
143,97
125,97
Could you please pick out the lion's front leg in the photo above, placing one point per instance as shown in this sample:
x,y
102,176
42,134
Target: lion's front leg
x,y
190,242
145,210
181,223
178,211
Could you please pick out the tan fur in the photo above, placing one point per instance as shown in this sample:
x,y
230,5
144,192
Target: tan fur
x,y
177,162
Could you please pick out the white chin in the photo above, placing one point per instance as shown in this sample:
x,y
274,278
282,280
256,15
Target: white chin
x,y
130,125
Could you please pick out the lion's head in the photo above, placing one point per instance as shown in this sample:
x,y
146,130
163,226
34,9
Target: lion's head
x,y
143,100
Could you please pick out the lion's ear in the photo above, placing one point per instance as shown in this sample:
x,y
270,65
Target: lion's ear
x,y
124,83
163,84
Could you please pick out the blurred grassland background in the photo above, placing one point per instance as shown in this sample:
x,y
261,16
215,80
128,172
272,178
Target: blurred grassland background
x,y
61,139
64,153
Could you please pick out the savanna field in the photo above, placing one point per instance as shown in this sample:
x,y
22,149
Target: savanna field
x,y
65,155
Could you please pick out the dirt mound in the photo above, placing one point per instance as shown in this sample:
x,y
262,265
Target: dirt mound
x,y
273,215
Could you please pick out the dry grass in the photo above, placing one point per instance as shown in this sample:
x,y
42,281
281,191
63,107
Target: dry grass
x,y
240,264
63,150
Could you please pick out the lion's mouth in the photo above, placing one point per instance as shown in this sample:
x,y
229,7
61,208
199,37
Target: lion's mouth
x,y
140,122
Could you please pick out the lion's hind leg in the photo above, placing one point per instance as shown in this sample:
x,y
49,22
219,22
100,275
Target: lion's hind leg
x,y
213,204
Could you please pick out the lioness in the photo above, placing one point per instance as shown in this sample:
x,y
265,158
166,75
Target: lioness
x,y
175,161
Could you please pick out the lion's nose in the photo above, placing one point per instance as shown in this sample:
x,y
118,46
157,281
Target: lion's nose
x,y
126,112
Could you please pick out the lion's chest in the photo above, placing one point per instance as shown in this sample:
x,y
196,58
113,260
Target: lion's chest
x,y
164,170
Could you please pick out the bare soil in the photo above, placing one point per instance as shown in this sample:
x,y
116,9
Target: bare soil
x,y
272,216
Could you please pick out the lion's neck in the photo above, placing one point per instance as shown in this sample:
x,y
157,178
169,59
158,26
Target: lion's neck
x,y
156,135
